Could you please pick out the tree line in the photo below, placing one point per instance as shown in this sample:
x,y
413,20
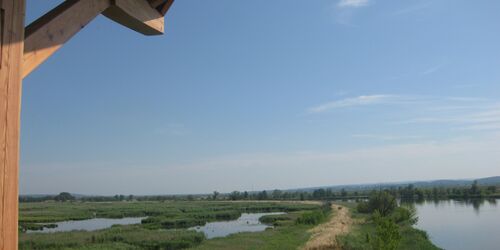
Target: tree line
x,y
409,192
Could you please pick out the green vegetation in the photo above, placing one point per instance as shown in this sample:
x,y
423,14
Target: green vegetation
x,y
403,192
275,220
316,216
286,235
381,202
165,215
117,237
166,226
384,225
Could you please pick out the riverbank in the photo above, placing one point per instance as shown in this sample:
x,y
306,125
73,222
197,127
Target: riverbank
x,y
324,236
363,229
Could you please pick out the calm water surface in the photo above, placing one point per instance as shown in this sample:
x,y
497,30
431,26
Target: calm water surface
x,y
461,224
88,225
246,223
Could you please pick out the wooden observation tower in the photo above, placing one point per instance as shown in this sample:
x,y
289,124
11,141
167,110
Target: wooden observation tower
x,y
23,49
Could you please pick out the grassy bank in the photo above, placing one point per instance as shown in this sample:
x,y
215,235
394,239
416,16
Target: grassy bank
x,y
290,231
286,234
364,231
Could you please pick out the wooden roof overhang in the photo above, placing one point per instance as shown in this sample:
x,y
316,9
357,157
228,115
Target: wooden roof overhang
x,y
48,33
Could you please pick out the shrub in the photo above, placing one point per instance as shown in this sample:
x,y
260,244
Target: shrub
x,y
363,208
405,215
311,218
387,236
316,216
383,202
274,219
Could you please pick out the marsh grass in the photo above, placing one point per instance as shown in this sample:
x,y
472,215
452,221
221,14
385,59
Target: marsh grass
x,y
286,235
128,237
165,227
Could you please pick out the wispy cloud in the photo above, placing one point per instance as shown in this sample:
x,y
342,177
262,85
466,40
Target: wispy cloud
x,y
432,69
413,8
350,102
344,11
456,112
369,100
479,115
386,137
352,3
172,129
463,86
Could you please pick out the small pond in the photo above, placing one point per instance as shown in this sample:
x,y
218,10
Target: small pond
x,y
88,225
246,223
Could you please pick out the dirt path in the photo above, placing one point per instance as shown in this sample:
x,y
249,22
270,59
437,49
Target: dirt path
x,y
324,235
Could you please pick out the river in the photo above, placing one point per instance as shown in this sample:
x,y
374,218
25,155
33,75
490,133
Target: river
x,y
453,224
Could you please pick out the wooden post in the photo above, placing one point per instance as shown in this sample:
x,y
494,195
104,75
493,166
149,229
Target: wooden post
x,y
43,37
12,42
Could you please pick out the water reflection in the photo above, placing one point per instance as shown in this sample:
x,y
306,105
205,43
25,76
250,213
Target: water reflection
x,y
492,202
88,225
461,224
476,204
246,223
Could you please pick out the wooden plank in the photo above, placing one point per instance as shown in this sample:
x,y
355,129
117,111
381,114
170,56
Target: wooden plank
x,y
156,3
138,15
12,37
166,7
49,33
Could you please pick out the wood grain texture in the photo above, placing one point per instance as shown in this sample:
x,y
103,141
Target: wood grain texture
x,y
164,9
49,33
138,15
156,3
12,37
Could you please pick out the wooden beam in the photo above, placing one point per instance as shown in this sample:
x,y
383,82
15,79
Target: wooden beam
x,y
11,51
161,6
138,15
49,33
166,7
156,3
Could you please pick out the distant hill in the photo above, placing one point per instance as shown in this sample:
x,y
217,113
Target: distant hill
x,y
495,180
78,196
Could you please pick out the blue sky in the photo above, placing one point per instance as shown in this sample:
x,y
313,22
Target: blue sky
x,y
252,95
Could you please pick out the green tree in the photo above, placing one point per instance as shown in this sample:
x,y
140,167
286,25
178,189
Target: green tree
x,y
235,195
492,189
262,195
215,195
64,196
383,202
319,193
343,192
474,189
277,194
